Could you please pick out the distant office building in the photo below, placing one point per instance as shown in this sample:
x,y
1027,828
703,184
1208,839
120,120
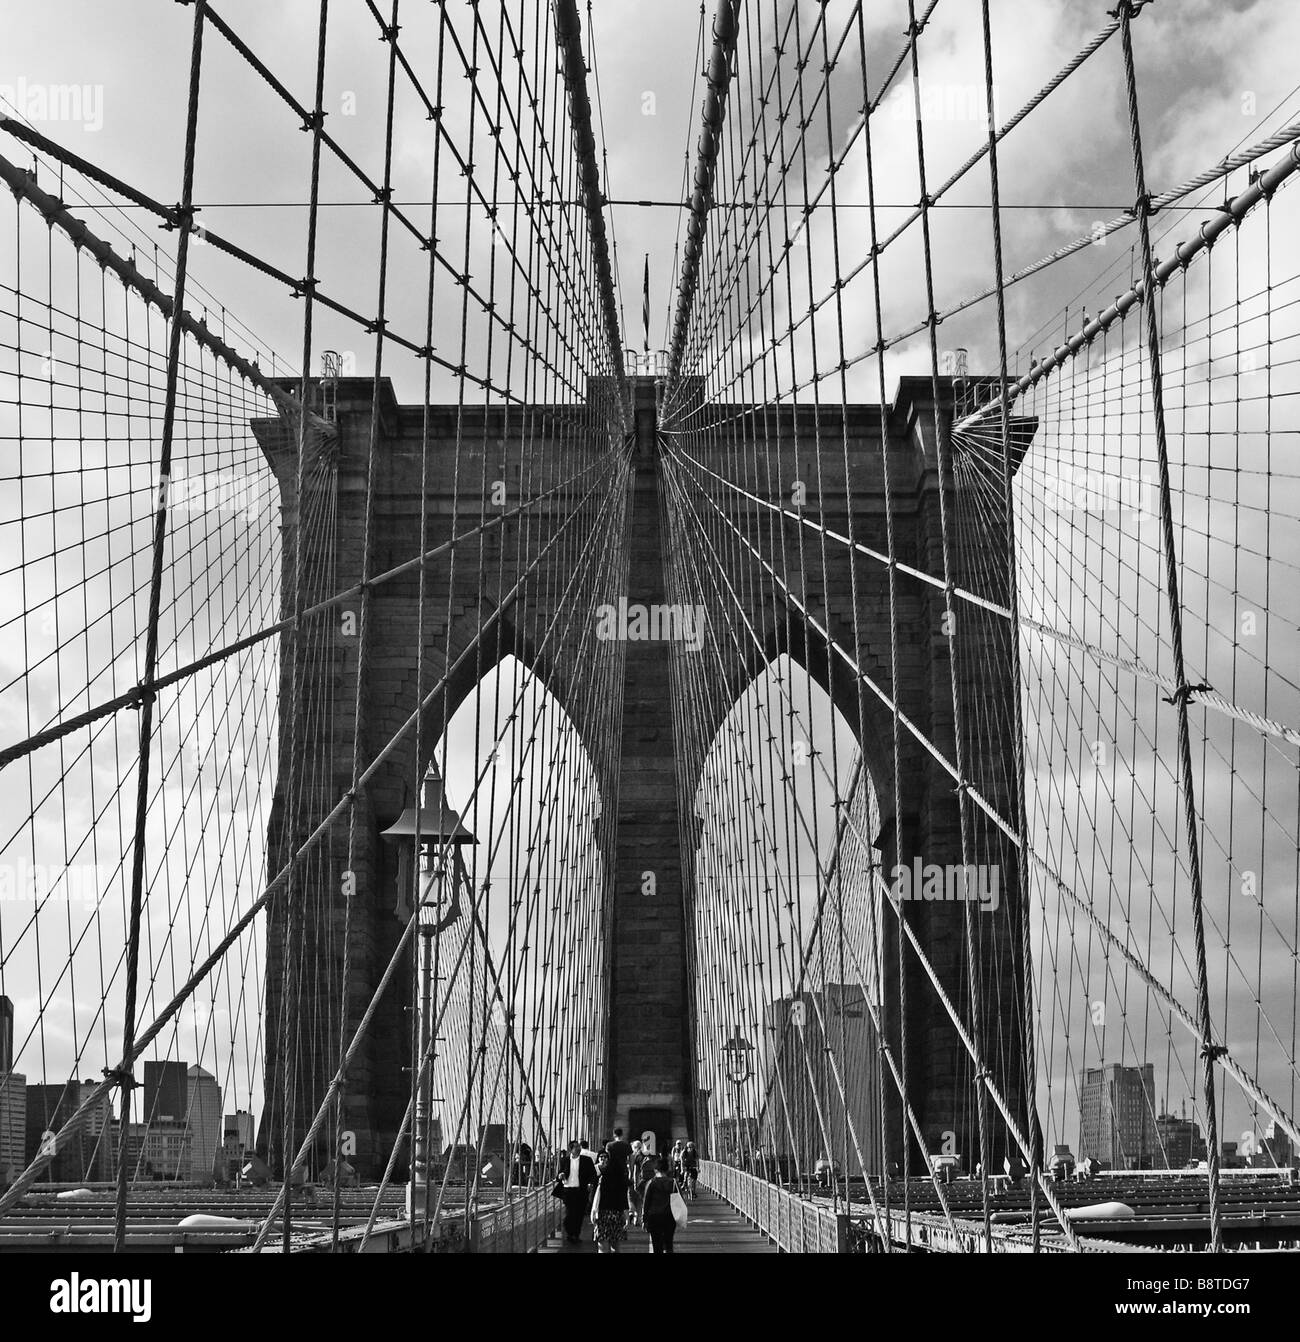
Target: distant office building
x,y
1117,1116
203,1117
48,1107
86,1156
815,1043
159,1151
166,1092
1278,1148
1180,1141
737,1139
13,1126
6,1035
241,1125
13,1102
237,1143
99,1135
492,1140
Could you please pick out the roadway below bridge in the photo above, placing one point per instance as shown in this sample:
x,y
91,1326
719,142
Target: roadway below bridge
x,y
1260,1212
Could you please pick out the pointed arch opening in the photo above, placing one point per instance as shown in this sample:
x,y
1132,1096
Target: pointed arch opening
x,y
520,990
785,912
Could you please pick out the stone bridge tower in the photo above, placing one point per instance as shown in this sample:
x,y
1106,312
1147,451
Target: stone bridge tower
x,y
651,1051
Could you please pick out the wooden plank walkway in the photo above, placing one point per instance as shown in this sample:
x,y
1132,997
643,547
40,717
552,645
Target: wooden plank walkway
x,y
714,1226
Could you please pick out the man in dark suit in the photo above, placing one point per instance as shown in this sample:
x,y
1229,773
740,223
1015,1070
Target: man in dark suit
x,y
577,1177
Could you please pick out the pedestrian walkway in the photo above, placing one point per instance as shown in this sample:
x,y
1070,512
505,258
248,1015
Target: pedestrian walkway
x,y
714,1226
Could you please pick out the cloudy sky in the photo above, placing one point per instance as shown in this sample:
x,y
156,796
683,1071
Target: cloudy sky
x,y
1207,76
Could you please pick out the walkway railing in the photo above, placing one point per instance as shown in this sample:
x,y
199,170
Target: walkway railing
x,y
794,1225
799,1226
521,1225
933,1233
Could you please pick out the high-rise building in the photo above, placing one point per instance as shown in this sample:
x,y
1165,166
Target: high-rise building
x,y
805,1066
13,1126
159,1151
1117,1116
6,1035
237,1143
98,1137
203,1118
166,1092
736,1140
87,1154
1279,1149
1180,1142
13,1102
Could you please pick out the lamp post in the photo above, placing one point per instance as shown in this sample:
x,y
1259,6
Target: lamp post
x,y
591,1106
704,1120
738,1068
431,835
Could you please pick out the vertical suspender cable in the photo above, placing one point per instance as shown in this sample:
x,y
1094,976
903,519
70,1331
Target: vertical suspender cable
x,y
367,616
316,125
185,215
1210,1052
1029,1063
945,483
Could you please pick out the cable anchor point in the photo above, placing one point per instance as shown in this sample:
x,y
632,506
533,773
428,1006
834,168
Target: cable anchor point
x,y
1183,694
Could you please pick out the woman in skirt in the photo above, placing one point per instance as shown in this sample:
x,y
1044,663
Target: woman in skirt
x,y
610,1205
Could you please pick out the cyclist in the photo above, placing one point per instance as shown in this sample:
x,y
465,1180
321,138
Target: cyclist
x,y
690,1167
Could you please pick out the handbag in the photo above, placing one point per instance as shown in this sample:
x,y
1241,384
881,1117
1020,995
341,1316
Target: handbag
x,y
595,1206
557,1189
677,1204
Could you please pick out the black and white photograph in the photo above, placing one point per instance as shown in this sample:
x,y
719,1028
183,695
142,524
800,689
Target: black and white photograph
x,y
643,627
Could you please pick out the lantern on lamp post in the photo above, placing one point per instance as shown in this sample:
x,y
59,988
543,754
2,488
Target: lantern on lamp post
x,y
591,1105
429,838
736,1059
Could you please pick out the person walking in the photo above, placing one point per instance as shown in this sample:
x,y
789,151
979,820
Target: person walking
x,y
577,1177
643,1163
634,1180
657,1206
620,1151
610,1206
